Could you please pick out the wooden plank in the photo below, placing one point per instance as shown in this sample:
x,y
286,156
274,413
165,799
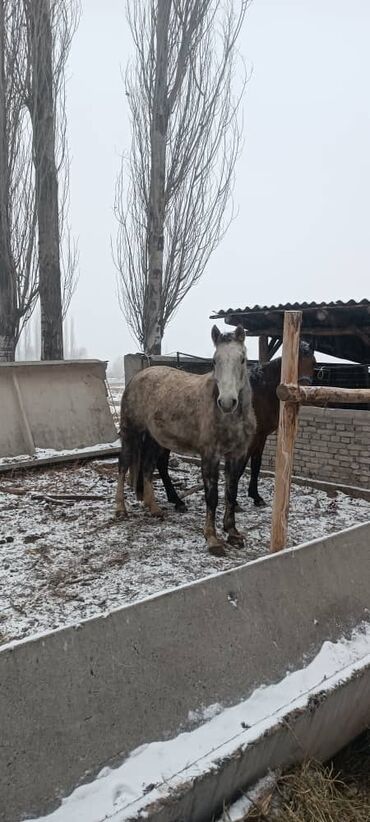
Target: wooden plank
x,y
310,331
286,432
263,348
331,488
321,395
84,455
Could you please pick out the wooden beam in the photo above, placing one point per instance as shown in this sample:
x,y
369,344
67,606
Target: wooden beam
x,y
310,331
263,348
328,331
321,395
287,430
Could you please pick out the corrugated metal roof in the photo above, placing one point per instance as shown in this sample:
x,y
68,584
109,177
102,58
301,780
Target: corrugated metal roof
x,y
291,307
341,329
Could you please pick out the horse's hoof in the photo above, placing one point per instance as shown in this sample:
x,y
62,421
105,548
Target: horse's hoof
x,y
238,508
259,502
157,513
121,515
236,539
217,549
180,506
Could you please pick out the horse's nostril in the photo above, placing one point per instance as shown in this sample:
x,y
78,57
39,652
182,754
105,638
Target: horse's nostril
x,y
227,404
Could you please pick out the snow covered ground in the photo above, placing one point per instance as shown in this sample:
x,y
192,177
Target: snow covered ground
x,y
65,559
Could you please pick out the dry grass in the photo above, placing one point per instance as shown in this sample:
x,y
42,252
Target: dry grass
x,y
336,792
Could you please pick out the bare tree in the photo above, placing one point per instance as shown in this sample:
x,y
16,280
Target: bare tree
x,y
186,138
18,258
50,25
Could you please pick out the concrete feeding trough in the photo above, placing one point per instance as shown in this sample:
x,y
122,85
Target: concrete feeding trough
x,y
185,698
50,410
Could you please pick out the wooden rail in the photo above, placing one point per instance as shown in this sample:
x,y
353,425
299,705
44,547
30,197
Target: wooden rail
x,y
322,395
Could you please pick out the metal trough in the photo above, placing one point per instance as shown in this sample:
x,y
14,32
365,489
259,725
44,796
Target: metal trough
x,y
80,697
58,406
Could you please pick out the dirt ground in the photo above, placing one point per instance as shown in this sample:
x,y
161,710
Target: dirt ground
x,y
64,559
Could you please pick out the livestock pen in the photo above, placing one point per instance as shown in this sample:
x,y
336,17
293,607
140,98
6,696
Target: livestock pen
x,y
142,678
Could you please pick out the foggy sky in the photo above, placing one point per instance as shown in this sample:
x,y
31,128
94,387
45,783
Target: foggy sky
x,y
302,182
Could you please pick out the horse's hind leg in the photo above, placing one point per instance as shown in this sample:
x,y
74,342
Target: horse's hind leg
x,y
124,461
172,495
149,461
256,459
210,468
233,472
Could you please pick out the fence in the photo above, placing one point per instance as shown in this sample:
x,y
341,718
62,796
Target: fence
x,y
333,444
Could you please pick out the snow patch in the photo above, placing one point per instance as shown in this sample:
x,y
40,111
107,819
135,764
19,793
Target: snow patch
x,y
45,453
238,810
205,713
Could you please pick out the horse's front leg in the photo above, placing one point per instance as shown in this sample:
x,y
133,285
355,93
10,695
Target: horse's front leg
x,y
233,471
256,459
210,470
172,495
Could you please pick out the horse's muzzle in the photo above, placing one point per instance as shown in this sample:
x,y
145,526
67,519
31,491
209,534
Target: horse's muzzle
x,y
305,381
227,406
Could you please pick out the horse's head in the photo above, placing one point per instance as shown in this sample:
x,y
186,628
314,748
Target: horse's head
x,y
306,363
230,367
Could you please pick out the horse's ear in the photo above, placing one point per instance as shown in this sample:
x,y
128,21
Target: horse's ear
x,y
239,334
215,334
307,346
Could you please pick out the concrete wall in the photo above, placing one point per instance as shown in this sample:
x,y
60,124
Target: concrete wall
x,y
56,405
76,698
334,715
332,444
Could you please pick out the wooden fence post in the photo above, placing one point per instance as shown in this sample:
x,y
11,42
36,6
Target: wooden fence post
x,y
263,348
286,432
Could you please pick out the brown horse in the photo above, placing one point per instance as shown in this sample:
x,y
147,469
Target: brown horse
x,y
209,414
264,380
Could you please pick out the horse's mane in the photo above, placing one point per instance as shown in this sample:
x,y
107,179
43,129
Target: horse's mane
x,y
269,372
305,349
226,338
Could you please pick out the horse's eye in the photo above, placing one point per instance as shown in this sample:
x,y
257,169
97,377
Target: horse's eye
x,y
214,360
243,360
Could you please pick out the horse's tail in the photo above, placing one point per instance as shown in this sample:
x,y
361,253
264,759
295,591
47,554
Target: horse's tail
x,y
139,486
136,475
130,458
